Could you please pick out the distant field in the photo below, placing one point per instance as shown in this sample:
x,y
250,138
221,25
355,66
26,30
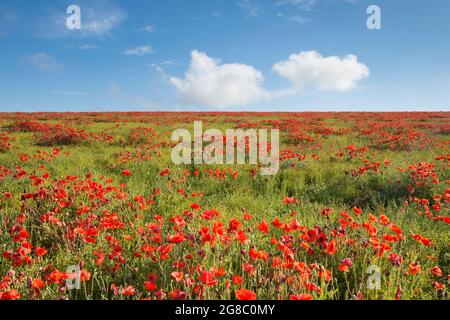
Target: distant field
x,y
356,193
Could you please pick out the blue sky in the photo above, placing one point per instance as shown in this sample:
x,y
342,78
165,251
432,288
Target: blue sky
x,y
227,55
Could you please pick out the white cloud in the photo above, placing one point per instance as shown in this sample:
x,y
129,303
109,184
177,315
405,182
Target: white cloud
x,y
310,69
139,51
88,47
302,4
309,4
100,23
209,83
149,29
251,8
44,62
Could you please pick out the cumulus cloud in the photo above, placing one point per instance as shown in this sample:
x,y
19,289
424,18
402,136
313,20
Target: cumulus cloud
x,y
311,69
139,51
209,83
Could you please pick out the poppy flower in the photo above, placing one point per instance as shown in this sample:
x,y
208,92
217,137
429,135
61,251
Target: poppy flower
x,y
423,240
438,286
37,285
126,173
326,212
242,237
40,252
178,276
150,286
177,294
237,279
208,278
345,265
85,275
164,173
289,200
414,268
10,295
245,294
303,296
395,259
331,247
209,214
248,268
436,271
263,227
128,291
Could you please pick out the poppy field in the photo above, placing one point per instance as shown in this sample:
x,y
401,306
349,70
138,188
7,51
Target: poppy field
x,y
358,210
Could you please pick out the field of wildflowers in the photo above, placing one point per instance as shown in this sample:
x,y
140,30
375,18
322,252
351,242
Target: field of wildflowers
x,y
358,210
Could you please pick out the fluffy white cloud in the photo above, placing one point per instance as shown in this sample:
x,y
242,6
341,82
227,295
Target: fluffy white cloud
x,y
209,83
310,69
139,51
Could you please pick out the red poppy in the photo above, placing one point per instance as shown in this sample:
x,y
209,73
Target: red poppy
x,y
178,276
164,173
150,286
237,279
245,294
128,291
10,295
414,268
263,227
436,271
40,252
208,278
303,296
37,285
126,173
209,214
423,240
331,247
289,200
